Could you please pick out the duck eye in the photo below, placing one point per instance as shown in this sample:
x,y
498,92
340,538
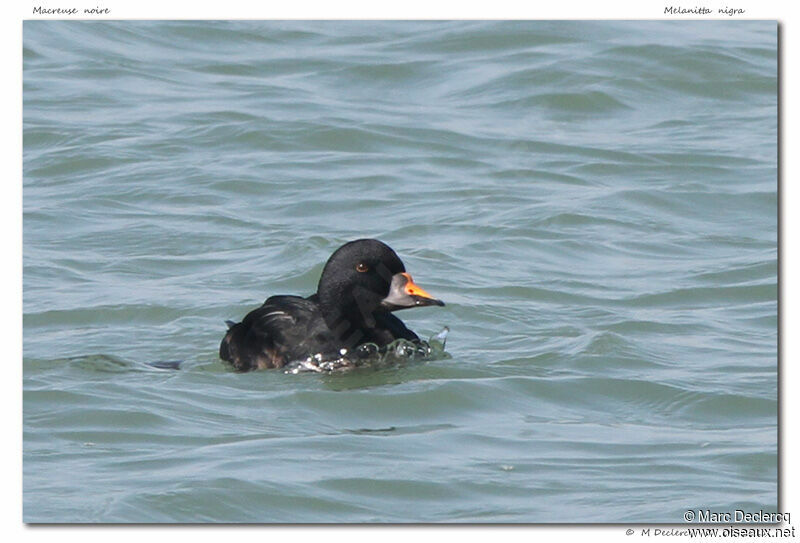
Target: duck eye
x,y
361,267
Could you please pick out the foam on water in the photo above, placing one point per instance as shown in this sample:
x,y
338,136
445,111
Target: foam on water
x,y
369,355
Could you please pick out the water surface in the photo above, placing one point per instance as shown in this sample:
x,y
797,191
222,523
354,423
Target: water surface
x,y
595,201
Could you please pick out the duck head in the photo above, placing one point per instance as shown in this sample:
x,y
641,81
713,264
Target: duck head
x,y
363,277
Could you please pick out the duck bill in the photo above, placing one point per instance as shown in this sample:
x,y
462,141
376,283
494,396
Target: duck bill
x,y
404,293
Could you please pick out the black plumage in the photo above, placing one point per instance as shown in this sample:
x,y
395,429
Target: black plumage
x,y
361,284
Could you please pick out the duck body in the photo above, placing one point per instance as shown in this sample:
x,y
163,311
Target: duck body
x,y
362,283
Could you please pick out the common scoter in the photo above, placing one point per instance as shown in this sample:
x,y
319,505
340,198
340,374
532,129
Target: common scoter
x,y
361,284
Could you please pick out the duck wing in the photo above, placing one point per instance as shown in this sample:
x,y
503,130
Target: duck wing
x,y
283,329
